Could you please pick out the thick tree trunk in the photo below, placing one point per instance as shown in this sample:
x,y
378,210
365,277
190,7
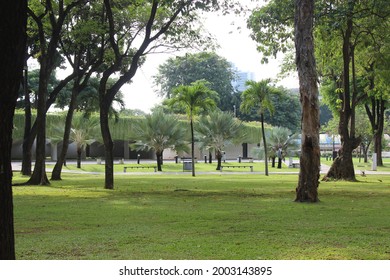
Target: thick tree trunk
x,y
13,20
307,190
342,167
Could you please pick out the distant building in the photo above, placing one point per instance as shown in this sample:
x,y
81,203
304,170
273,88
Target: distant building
x,y
241,78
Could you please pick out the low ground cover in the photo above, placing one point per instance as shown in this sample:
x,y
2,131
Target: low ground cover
x,y
207,217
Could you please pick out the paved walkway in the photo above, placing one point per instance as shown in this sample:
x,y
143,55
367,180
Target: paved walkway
x,y
17,165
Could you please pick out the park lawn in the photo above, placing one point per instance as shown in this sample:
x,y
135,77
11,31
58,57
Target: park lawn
x,y
207,217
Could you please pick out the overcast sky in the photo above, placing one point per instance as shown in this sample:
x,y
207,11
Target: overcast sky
x,y
236,46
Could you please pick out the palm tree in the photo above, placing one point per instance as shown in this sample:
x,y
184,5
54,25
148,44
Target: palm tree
x,y
158,132
258,96
281,143
193,98
83,132
216,131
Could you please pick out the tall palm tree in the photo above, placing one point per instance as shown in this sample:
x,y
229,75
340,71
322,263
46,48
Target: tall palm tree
x,y
158,132
194,98
258,96
216,131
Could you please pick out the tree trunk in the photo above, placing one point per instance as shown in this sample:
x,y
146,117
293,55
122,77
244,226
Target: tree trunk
x,y
39,176
159,160
218,155
108,144
273,159
376,115
279,163
307,189
13,21
192,145
79,153
27,156
265,144
342,167
56,174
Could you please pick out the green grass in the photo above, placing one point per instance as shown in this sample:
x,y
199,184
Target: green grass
x,y
207,217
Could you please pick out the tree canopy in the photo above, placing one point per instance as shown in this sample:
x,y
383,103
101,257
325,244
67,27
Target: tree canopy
x,y
192,67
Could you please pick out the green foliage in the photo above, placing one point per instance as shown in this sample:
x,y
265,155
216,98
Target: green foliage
x,y
258,96
159,131
218,130
194,98
272,27
192,67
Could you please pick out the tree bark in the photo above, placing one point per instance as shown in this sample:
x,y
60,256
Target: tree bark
x,y
27,156
159,156
192,144
307,189
342,167
218,155
13,21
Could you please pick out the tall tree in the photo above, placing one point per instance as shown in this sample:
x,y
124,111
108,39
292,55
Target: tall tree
x,y
53,15
309,173
13,21
258,96
135,29
183,70
193,98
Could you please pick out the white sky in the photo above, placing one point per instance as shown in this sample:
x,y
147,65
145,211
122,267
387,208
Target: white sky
x,y
236,46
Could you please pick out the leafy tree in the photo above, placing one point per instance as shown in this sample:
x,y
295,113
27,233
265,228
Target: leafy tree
x,y
343,42
287,111
307,190
216,131
46,26
258,96
13,21
193,98
183,70
135,29
159,131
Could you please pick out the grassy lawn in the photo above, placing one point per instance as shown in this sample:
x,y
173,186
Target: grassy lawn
x,y
207,217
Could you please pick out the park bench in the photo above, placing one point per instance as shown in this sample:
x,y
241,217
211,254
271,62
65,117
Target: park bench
x,y
237,166
139,167
295,165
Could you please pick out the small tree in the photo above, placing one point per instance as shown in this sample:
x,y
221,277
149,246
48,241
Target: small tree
x,y
83,132
258,96
158,132
193,98
281,142
216,131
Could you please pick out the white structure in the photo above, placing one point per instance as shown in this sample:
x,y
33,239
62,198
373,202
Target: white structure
x,y
241,78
